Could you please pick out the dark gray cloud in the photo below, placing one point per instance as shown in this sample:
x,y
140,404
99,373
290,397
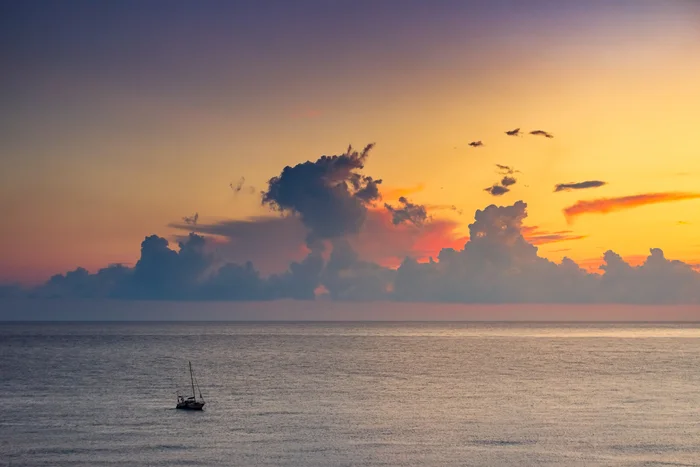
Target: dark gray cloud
x,y
506,169
346,277
189,273
191,220
502,186
407,212
515,132
541,133
476,144
497,190
329,195
579,185
12,291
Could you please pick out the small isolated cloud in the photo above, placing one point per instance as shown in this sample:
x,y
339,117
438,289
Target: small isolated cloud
x,y
608,205
407,212
502,187
238,186
541,133
515,132
191,220
579,185
508,180
683,223
476,144
506,169
497,190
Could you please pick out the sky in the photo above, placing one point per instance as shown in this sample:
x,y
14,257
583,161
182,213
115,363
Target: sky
x,y
122,120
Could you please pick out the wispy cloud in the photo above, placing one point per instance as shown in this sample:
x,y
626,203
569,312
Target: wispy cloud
x,y
579,185
541,133
515,132
535,236
607,205
506,169
476,144
191,220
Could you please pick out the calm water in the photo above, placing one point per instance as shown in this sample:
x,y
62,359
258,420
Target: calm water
x,y
351,394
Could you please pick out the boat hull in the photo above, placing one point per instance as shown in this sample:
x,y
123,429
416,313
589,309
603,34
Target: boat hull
x,y
190,406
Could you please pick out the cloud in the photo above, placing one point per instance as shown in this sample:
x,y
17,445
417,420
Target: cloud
x,y
539,237
500,188
191,220
11,291
476,144
579,185
608,205
497,190
498,264
506,169
378,254
271,242
541,133
407,212
383,242
515,132
346,277
239,185
330,196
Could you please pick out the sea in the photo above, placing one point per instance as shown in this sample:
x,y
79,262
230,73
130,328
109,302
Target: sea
x,y
351,394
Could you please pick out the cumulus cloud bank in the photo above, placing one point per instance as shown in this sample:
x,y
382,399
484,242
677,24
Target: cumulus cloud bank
x,y
332,235
498,264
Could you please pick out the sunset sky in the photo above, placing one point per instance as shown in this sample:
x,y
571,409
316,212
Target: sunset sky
x,y
119,119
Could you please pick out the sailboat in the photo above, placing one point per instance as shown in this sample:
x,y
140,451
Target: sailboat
x,y
191,403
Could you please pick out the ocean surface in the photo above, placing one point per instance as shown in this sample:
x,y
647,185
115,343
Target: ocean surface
x,y
351,394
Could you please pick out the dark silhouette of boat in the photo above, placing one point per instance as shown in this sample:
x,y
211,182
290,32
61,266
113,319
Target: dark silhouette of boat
x,y
191,402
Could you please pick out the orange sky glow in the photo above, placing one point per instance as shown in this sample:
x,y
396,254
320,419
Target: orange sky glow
x,y
94,162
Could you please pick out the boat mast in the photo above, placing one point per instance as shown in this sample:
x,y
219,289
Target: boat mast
x,y
192,380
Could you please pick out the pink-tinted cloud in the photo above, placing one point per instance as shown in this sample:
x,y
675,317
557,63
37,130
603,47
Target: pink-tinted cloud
x,y
387,244
608,205
273,242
